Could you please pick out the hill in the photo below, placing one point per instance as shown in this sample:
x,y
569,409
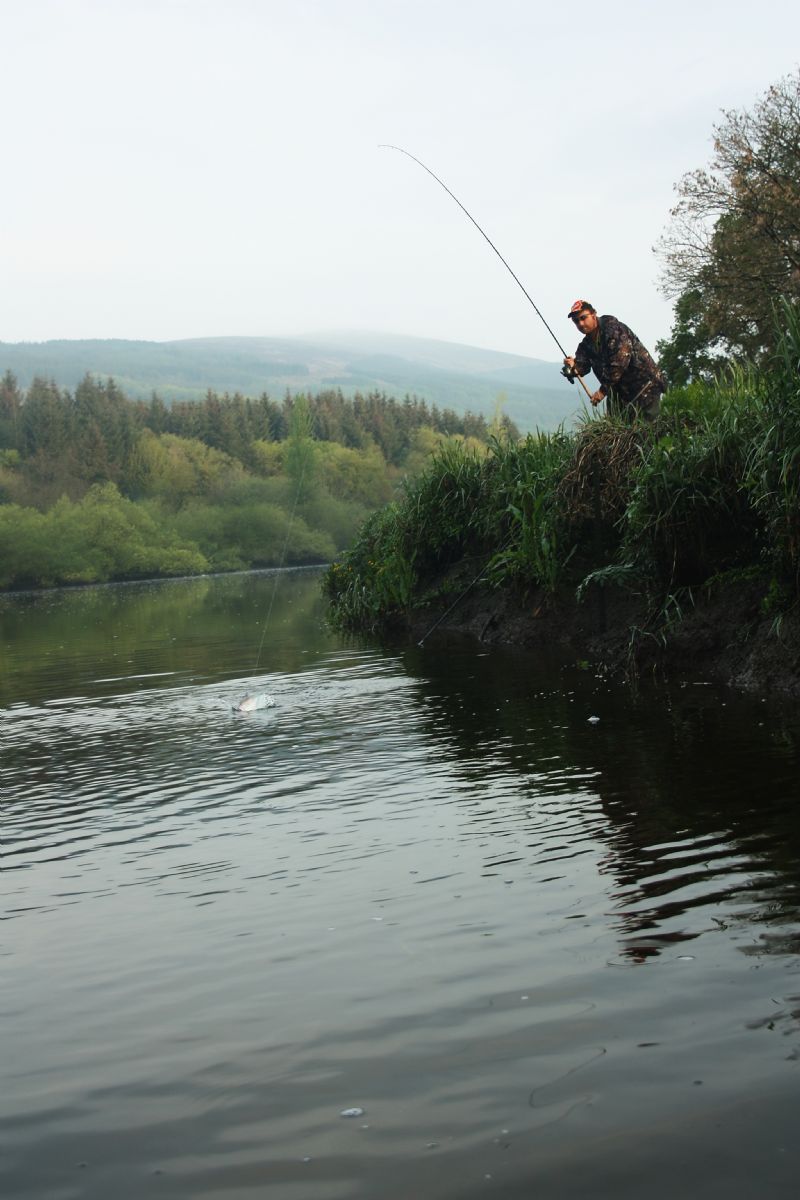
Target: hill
x,y
463,378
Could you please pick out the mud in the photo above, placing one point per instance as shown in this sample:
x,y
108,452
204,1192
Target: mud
x,y
729,634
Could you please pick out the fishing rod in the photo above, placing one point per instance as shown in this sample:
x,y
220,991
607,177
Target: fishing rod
x,y
528,297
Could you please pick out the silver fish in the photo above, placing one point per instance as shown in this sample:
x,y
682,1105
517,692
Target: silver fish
x,y
251,703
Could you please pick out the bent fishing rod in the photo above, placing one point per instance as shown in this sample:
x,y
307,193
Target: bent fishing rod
x,y
520,285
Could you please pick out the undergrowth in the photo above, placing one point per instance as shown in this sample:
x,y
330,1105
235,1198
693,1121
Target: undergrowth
x,y
710,489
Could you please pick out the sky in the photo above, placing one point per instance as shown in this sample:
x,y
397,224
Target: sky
x,y
198,168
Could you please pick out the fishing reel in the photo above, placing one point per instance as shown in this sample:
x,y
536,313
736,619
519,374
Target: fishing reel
x,y
569,373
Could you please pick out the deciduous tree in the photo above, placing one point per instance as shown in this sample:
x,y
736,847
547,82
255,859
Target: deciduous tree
x,y
733,244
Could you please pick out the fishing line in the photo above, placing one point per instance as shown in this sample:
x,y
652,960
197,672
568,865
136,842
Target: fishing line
x,y
482,232
280,566
466,591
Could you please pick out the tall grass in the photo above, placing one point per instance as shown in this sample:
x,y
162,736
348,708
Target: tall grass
x,y
773,467
712,487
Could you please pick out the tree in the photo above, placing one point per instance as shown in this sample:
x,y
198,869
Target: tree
x,y
688,353
10,404
300,457
734,238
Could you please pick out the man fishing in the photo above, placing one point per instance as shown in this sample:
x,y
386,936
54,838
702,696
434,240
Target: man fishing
x,y
630,382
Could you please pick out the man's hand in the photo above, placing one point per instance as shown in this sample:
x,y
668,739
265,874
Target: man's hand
x,y
568,369
597,397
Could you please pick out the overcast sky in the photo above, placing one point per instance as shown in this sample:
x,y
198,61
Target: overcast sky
x,y
190,168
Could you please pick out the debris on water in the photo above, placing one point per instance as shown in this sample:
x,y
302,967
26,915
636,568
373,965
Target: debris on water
x,y
352,1112
593,720
685,958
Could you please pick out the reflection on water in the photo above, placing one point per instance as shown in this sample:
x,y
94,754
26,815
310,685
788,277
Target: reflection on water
x,y
545,955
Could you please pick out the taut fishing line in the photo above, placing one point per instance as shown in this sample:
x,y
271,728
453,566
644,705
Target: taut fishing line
x,y
465,592
280,565
253,701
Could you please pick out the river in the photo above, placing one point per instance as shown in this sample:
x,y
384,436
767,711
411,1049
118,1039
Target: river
x,y
442,923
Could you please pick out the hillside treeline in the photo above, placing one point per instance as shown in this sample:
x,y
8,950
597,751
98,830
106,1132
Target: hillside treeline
x,y
95,486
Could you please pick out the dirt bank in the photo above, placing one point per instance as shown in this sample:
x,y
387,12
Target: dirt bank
x,y
727,635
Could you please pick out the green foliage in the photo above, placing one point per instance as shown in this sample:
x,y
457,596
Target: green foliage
x,y
773,468
206,480
177,469
614,575
356,476
709,491
300,458
446,503
495,506
375,579
535,534
691,352
258,534
103,536
687,514
732,245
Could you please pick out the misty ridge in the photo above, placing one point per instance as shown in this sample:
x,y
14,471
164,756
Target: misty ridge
x,y
462,378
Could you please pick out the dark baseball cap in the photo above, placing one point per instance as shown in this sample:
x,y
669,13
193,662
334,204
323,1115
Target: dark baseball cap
x,y
578,307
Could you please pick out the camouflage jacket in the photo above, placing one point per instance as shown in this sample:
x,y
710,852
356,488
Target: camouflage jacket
x,y
622,364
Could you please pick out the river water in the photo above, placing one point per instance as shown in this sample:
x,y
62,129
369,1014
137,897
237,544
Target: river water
x,y
537,932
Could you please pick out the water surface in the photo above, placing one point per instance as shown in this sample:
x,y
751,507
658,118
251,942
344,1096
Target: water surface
x,y
546,954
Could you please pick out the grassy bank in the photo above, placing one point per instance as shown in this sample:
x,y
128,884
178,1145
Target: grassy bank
x,y
707,496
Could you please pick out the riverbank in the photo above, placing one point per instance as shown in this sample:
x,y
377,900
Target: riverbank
x,y
671,547
726,634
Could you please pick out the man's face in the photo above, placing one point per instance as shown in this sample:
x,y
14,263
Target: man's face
x,y
586,321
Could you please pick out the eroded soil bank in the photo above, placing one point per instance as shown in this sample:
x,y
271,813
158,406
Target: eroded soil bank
x,y
728,635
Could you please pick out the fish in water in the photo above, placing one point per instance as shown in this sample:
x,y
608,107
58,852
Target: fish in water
x,y
251,703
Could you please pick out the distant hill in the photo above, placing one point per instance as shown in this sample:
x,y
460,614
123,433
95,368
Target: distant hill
x,y
445,373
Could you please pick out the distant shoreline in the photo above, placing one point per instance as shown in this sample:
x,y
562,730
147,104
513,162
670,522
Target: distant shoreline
x,y
116,583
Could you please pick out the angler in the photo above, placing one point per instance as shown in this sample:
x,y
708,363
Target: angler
x,y
630,382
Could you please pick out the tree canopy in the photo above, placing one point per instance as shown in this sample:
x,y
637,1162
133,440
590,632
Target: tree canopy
x,y
733,243
95,486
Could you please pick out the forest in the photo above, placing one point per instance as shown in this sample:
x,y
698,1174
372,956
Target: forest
x,y
95,486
